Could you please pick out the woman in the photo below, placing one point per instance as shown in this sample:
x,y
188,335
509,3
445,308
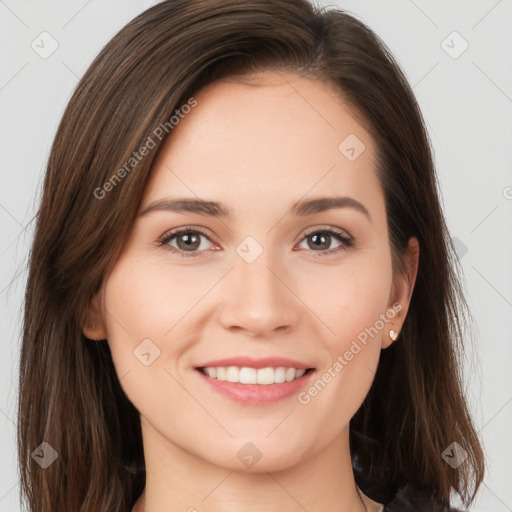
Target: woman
x,y
242,293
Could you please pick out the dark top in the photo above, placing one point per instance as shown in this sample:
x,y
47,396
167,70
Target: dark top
x,y
409,497
414,499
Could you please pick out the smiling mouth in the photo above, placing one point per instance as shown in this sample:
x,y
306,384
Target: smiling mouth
x,y
248,375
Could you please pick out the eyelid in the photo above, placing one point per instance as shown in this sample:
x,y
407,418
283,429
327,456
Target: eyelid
x,y
172,232
326,228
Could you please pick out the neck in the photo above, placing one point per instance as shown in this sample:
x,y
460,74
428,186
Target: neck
x,y
177,480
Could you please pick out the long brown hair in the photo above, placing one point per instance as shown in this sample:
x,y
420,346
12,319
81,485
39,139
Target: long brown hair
x,y
69,394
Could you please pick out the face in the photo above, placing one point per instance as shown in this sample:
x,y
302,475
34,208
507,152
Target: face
x,y
268,278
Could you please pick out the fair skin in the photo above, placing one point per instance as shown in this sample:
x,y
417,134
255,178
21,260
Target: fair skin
x,y
258,150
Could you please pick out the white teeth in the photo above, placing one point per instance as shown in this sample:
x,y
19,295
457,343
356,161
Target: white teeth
x,y
247,375
280,375
265,376
232,374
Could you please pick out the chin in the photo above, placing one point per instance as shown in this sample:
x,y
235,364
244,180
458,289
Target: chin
x,y
276,462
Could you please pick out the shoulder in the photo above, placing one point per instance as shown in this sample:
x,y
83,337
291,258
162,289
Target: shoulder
x,y
413,498
404,497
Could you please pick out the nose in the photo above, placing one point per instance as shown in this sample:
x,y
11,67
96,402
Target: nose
x,y
258,298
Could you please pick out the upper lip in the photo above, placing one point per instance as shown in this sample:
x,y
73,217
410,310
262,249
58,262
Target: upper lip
x,y
250,362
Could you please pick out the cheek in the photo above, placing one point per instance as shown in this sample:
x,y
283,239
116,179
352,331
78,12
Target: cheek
x,y
357,319
352,306
141,311
350,299
143,301
142,314
152,319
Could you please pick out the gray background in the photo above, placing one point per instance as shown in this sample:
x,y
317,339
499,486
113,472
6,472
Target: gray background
x,y
467,104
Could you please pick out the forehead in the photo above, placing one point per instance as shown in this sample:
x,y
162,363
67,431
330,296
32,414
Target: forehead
x,y
274,136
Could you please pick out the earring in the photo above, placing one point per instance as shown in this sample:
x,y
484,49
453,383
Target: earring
x,y
393,335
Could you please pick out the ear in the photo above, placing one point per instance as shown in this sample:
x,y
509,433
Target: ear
x,y
94,326
401,293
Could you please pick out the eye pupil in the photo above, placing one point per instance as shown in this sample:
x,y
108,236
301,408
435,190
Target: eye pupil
x,y
321,238
190,241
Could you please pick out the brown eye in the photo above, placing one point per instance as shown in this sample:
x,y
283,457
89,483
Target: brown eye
x,y
321,241
186,241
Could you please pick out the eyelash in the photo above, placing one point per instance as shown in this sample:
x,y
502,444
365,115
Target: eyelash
x,y
347,241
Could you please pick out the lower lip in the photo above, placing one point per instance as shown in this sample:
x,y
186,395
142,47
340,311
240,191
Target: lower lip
x,y
257,394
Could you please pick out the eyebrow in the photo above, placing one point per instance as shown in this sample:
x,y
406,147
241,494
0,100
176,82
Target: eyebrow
x,y
215,209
